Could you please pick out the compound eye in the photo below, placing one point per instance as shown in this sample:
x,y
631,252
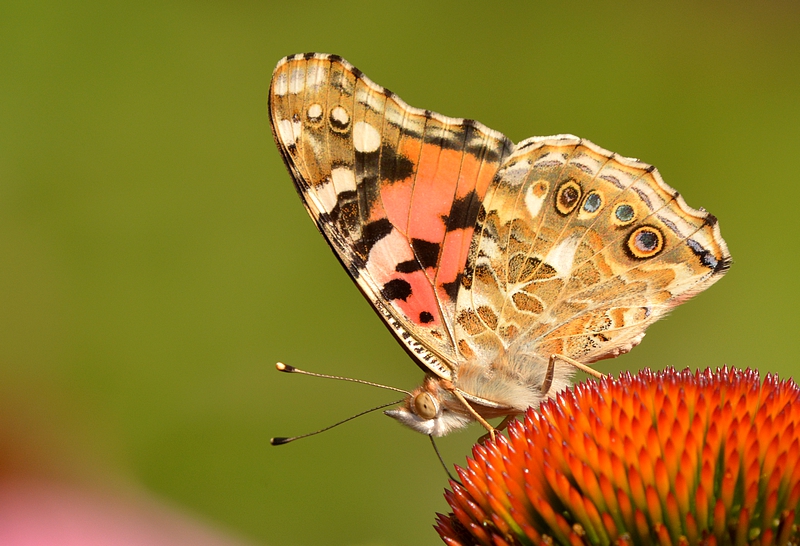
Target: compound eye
x,y
425,406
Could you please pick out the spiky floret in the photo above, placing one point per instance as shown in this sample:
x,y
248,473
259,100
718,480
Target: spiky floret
x,y
667,457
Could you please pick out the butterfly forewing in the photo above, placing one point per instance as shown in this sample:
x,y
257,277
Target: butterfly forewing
x,y
394,189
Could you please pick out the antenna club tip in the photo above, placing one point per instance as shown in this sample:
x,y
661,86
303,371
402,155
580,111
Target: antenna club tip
x,y
281,367
279,441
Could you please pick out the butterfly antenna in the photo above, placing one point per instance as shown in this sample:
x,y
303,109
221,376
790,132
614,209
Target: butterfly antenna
x,y
291,369
436,449
279,441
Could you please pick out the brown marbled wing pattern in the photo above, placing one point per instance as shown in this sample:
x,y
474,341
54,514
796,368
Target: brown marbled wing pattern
x,y
577,251
394,189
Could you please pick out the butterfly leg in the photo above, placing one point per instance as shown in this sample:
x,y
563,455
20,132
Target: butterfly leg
x,y
450,387
502,426
548,378
506,421
572,362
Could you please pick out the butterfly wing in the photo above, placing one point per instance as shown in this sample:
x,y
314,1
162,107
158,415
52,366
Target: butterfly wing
x,y
577,251
395,191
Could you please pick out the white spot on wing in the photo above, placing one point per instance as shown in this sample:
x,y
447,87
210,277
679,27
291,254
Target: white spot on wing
x,y
326,194
281,85
340,116
534,202
515,173
316,76
297,80
344,179
370,98
562,256
365,137
289,131
386,254
394,115
314,112
446,120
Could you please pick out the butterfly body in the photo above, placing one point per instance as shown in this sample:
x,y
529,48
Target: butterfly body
x,y
484,257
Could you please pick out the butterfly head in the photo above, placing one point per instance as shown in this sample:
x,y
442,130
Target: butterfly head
x,y
431,409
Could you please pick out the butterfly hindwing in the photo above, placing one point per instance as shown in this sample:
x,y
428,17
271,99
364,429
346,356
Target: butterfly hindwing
x,y
577,252
394,189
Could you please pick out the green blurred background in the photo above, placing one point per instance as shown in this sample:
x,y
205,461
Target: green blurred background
x,y
155,260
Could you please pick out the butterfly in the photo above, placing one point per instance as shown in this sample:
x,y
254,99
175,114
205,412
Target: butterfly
x,y
499,267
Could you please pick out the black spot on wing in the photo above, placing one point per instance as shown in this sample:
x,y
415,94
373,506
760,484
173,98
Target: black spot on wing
x,y
374,232
451,288
395,166
707,258
463,212
425,317
528,144
386,162
450,137
481,213
344,201
368,193
427,253
465,138
409,266
396,289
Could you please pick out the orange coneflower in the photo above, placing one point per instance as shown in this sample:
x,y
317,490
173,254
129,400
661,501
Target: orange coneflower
x,y
662,458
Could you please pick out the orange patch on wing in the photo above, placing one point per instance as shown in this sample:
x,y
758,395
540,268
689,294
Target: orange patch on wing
x,y
454,255
484,180
397,196
376,213
396,199
471,169
434,192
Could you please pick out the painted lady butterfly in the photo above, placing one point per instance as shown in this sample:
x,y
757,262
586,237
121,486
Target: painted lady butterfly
x,y
500,267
